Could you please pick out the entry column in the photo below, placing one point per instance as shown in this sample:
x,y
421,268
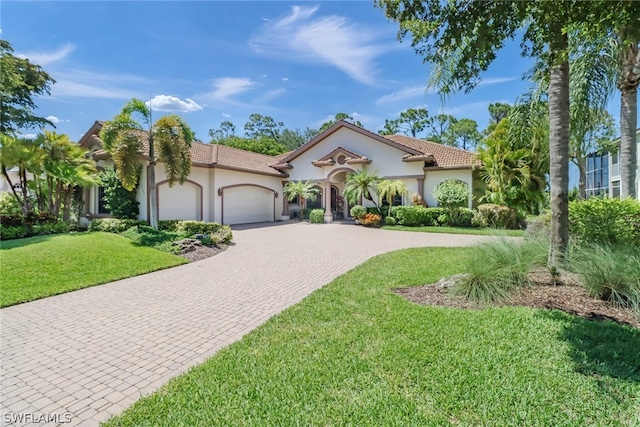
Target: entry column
x,y
328,215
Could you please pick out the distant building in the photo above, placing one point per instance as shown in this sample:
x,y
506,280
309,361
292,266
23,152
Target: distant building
x,y
603,172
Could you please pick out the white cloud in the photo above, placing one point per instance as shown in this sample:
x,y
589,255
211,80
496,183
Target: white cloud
x,y
85,84
495,80
228,86
46,58
404,93
172,103
329,39
285,79
53,119
226,115
467,109
269,95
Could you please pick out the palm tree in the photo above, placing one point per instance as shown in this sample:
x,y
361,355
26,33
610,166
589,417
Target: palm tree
x,y
301,190
388,189
628,81
360,184
124,139
23,154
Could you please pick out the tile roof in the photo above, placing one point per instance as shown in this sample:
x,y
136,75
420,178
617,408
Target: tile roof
x,y
445,157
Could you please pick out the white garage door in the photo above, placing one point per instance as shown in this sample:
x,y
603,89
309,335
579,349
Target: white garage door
x,y
179,201
246,204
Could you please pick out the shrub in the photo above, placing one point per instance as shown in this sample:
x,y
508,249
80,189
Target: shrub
x,y
122,203
12,220
413,216
12,232
9,205
417,200
191,228
317,216
605,221
496,267
540,226
452,193
479,220
168,224
497,216
357,211
461,217
149,236
114,225
222,236
611,273
371,220
389,221
48,228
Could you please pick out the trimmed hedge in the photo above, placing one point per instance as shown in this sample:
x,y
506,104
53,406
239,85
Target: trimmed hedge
x,y
317,216
114,225
34,224
605,221
191,228
496,216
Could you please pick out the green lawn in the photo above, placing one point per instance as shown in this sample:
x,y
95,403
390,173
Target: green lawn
x,y
354,353
38,267
459,230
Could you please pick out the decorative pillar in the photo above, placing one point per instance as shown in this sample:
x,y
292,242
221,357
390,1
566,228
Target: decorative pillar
x,y
285,202
328,215
421,187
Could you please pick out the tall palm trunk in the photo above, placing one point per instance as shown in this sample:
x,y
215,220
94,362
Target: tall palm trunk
x,y
628,85
559,152
153,201
582,184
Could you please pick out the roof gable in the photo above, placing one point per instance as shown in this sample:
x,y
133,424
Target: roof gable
x,y
350,126
443,156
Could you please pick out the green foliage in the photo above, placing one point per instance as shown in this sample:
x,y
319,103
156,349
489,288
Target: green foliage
x,y
411,122
191,228
8,204
168,224
413,216
263,126
144,235
461,217
388,189
496,216
114,225
122,203
317,216
357,211
339,116
605,221
463,134
360,185
611,273
20,82
263,145
389,220
12,231
452,193
496,267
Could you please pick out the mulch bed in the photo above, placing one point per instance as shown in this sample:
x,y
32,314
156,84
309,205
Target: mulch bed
x,y
543,294
203,252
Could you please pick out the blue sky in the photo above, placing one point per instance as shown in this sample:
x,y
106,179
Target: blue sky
x,y
209,61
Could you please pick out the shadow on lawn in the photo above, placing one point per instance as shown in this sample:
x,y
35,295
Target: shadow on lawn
x,y
18,243
601,348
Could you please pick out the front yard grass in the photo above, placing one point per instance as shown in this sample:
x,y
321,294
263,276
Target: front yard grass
x,y
459,230
38,267
355,353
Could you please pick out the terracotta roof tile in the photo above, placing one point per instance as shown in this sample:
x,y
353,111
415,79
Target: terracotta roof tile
x,y
445,157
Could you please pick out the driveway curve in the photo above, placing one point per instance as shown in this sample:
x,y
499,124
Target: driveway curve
x,y
87,355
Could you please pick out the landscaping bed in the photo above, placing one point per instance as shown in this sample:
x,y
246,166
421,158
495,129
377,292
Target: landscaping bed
x,y
542,293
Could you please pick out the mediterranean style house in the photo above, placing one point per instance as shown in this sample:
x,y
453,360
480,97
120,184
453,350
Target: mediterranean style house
x,y
232,186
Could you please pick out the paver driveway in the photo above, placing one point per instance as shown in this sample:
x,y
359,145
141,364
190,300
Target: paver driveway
x,y
88,354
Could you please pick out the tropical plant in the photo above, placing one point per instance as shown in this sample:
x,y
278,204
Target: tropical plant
x,y
411,122
316,216
460,42
360,185
24,155
388,189
121,202
513,169
302,191
452,193
168,140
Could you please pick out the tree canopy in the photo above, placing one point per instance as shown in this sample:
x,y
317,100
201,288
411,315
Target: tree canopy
x,y
20,82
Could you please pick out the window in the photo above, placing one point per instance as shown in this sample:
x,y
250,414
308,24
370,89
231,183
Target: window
x,y
615,189
597,175
397,200
317,203
102,209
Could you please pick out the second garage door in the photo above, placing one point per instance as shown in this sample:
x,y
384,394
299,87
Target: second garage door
x,y
247,204
179,201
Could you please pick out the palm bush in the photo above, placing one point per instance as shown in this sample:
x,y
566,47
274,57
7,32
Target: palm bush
x,y
317,216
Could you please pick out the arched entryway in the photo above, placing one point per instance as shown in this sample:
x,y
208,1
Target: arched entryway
x,y
339,206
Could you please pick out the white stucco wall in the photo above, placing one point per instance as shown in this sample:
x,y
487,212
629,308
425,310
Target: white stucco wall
x,y
434,177
224,178
386,160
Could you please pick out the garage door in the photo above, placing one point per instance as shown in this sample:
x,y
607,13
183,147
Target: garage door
x,y
179,201
246,204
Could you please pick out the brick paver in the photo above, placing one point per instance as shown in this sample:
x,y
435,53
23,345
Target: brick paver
x,y
93,352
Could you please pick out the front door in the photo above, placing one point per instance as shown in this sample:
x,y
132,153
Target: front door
x,y
337,203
